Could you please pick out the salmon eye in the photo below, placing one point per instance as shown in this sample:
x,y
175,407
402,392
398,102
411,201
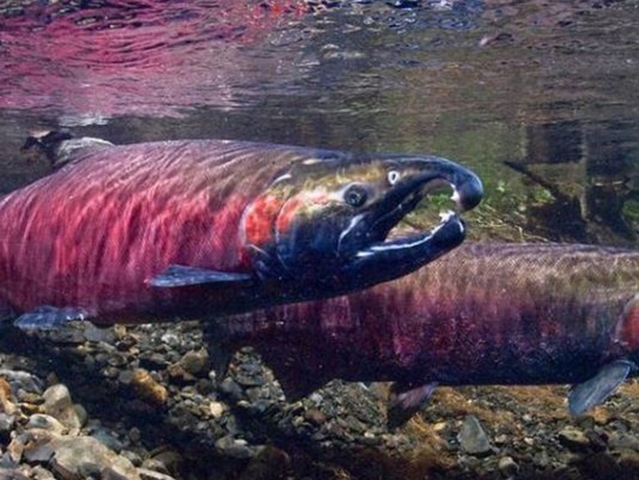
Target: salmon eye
x,y
393,176
355,196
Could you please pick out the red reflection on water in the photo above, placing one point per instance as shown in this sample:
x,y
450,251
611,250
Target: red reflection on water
x,y
145,57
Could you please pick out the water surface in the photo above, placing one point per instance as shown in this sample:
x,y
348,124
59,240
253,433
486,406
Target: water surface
x,y
540,98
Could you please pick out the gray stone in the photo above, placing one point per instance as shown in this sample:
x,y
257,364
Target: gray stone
x,y
95,334
22,380
58,404
6,423
508,467
41,473
147,474
107,439
132,457
230,447
573,438
12,474
194,362
82,457
472,437
45,422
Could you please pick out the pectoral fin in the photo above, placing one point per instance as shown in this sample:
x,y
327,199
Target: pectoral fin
x,y
405,401
48,318
592,392
182,276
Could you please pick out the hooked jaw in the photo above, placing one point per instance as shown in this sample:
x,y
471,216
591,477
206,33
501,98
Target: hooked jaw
x,y
380,258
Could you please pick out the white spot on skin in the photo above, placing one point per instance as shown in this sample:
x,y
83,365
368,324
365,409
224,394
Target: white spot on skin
x,y
393,177
281,178
311,161
354,221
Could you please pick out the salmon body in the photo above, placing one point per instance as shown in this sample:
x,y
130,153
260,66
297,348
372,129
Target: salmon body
x,y
201,227
490,313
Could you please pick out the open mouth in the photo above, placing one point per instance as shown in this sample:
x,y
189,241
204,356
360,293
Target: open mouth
x,y
388,233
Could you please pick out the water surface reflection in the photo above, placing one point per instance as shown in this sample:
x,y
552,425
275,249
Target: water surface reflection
x,y
540,98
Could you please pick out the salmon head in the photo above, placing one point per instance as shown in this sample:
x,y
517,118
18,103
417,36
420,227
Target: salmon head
x,y
325,222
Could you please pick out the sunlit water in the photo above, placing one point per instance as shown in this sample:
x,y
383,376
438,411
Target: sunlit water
x,y
541,98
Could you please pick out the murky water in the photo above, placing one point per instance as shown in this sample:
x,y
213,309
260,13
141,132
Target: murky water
x,y
541,98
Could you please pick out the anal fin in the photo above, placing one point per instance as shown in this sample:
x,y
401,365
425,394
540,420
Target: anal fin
x,y
405,401
596,390
48,318
183,276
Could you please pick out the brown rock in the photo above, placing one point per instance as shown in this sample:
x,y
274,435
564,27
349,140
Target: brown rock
x,y
147,388
6,405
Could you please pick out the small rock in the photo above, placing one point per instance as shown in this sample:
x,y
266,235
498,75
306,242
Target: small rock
x,y
508,467
147,474
573,438
132,457
216,409
81,413
95,334
12,474
135,435
84,457
472,437
22,380
170,460
147,388
231,389
45,422
194,362
107,439
41,473
269,463
125,377
315,416
6,425
230,447
6,404
110,473
58,404
154,465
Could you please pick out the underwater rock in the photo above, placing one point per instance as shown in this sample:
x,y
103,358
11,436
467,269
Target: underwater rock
x,y
12,474
233,448
473,439
146,474
45,422
84,457
508,466
6,404
573,438
194,361
147,388
58,404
